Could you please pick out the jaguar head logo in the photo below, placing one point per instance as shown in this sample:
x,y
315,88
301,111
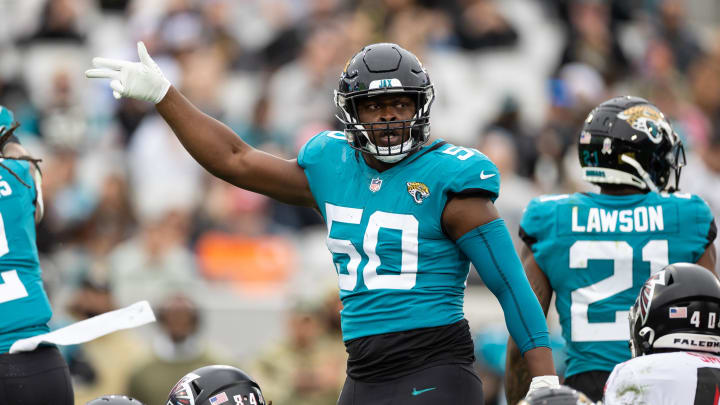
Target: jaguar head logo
x,y
646,119
418,191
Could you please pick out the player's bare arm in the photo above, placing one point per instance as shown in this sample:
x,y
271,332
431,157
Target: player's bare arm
x,y
709,258
215,146
462,215
517,376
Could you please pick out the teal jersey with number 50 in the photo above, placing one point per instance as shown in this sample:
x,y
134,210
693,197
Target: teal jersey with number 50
x,y
24,306
397,269
597,250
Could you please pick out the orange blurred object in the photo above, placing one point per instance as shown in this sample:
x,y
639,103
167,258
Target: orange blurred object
x,y
253,264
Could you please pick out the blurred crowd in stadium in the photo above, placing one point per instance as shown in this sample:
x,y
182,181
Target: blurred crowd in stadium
x,y
130,215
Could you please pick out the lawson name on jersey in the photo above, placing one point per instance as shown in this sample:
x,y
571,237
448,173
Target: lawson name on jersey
x,y
638,219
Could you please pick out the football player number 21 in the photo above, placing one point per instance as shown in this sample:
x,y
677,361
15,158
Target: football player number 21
x,y
11,288
406,224
621,254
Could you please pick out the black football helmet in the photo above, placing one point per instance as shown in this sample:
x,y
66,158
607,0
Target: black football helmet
x,y
114,400
379,69
627,140
216,384
678,308
562,395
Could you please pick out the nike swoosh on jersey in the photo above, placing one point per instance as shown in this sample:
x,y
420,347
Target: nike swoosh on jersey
x,y
417,392
484,176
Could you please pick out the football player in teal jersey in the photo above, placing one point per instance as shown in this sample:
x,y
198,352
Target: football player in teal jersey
x,y
596,250
405,218
40,376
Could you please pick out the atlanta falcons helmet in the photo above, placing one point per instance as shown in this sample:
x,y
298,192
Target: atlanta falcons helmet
x,y
380,69
627,140
216,384
678,308
562,395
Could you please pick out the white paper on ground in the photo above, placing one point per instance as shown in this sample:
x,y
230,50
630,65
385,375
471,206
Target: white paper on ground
x,y
132,316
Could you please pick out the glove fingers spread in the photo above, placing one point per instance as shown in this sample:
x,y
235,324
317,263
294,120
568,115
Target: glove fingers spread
x,y
139,80
102,74
114,64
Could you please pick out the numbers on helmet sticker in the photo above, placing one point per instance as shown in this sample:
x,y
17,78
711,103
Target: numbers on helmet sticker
x,y
460,152
621,254
238,400
252,399
695,319
11,287
711,320
347,272
590,158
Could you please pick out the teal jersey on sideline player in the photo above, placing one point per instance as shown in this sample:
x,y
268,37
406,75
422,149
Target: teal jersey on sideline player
x,y
397,269
597,250
24,306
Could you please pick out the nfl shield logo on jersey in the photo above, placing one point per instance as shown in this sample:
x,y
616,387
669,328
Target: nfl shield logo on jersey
x,y
375,184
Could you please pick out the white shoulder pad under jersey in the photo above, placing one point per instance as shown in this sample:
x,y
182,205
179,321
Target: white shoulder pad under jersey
x,y
678,378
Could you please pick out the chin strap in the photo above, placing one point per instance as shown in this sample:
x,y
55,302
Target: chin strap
x,y
643,174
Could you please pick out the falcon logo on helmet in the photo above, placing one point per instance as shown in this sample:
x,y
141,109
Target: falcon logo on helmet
x,y
647,291
182,393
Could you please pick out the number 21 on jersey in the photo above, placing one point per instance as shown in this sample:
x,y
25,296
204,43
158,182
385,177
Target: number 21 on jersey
x,y
621,254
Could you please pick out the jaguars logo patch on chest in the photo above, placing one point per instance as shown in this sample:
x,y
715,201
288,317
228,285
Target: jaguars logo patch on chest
x,y
418,191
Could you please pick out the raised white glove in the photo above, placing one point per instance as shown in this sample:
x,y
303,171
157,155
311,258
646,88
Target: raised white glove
x,y
543,381
141,80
